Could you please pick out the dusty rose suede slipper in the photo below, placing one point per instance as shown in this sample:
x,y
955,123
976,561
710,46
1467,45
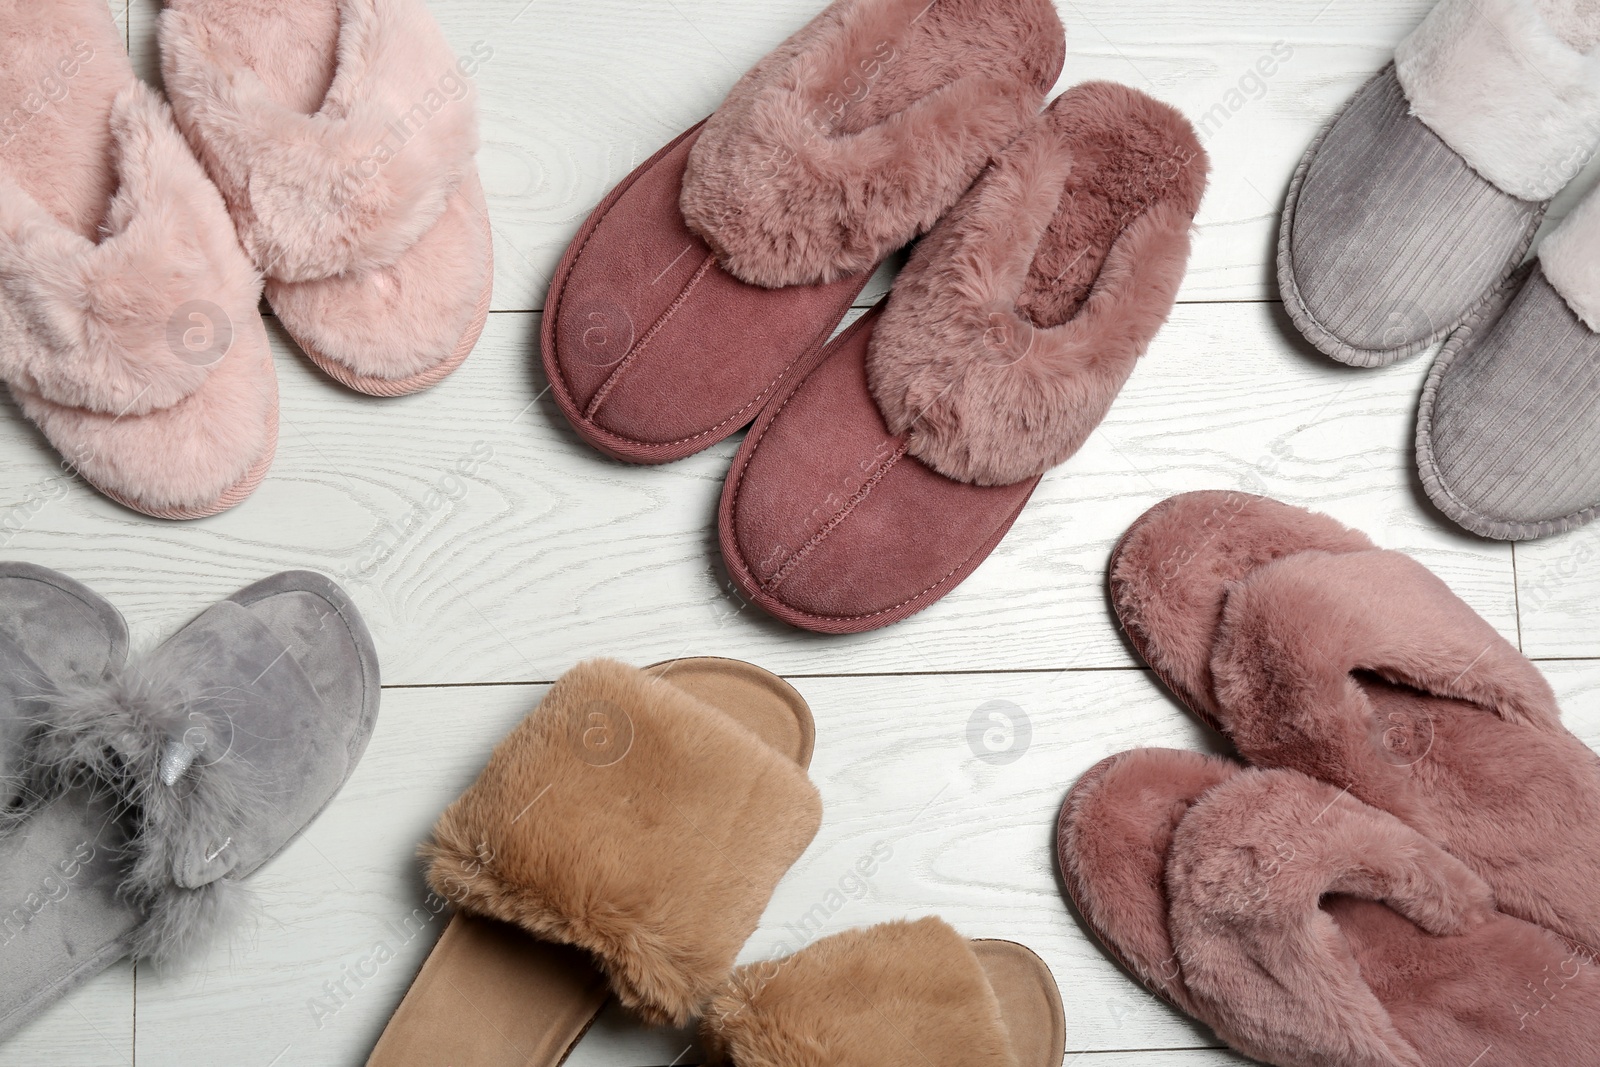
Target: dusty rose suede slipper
x,y
1314,650
342,134
129,329
905,450
1307,928
950,1001
702,284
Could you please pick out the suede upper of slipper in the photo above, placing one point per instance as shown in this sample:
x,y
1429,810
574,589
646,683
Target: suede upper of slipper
x,y
1390,238
786,180
129,329
553,836
1509,421
906,450
342,135
1314,651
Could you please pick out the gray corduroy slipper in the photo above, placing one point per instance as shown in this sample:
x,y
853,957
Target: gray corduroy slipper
x,y
1508,431
145,792
1416,205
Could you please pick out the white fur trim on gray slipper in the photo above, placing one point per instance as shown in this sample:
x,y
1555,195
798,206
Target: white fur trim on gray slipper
x,y
1571,260
1506,91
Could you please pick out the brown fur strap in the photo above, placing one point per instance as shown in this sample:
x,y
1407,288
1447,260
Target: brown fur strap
x,y
627,818
903,994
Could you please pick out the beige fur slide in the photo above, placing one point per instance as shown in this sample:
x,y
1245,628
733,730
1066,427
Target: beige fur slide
x,y
129,323
622,840
342,134
903,994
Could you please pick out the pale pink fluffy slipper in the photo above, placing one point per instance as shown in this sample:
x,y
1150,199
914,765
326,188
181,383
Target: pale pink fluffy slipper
x,y
1309,929
702,284
342,135
1314,650
904,451
129,329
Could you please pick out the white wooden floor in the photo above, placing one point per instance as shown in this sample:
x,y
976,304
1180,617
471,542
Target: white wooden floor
x,y
551,553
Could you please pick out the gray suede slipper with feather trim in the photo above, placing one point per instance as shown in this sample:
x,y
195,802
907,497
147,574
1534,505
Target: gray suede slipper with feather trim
x,y
151,789
1421,198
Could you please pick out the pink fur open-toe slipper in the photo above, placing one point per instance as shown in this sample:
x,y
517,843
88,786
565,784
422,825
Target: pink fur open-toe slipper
x,y
1314,650
701,285
1415,206
1309,929
904,451
342,135
947,1000
129,329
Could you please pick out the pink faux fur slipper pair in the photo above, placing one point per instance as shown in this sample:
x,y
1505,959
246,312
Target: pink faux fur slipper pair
x,y
129,323
1370,692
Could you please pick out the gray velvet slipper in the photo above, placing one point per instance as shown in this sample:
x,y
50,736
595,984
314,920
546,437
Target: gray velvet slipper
x,y
1508,431
153,789
1413,209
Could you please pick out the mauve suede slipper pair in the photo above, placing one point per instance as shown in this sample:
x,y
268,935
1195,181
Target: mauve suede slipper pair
x,y
137,794
623,840
1406,224
334,142
1415,840
884,466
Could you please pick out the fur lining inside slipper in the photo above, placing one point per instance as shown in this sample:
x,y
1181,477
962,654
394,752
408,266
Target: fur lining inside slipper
x,y
1019,318
1571,260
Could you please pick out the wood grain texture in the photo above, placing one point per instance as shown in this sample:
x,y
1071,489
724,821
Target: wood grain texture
x,y
485,544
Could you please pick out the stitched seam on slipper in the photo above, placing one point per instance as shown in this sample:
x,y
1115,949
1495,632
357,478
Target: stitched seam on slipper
x,y
656,327
738,484
800,554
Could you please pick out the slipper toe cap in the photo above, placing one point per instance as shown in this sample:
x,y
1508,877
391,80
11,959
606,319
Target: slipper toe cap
x,y
1170,574
1510,421
401,328
1372,264
829,525
198,457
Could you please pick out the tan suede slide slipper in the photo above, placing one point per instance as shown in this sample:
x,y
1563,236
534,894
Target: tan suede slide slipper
x,y
623,840
903,994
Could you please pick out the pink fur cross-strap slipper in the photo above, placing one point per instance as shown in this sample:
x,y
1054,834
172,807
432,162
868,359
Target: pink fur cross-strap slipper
x,y
129,329
702,284
1412,210
622,841
903,452
342,135
1311,930
1314,650
947,1001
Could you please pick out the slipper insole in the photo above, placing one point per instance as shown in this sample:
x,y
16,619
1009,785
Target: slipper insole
x,y
1030,1003
491,994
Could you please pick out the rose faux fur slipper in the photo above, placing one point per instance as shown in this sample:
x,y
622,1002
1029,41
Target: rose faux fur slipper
x,y
902,454
701,284
945,1000
1509,424
152,789
623,840
129,329
1309,929
342,135
1423,195
1314,650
